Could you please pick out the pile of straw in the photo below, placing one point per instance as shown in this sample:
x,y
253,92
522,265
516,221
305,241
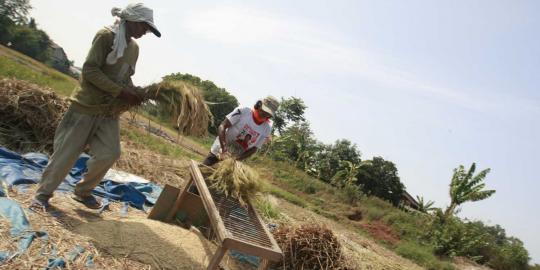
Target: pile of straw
x,y
309,246
29,116
152,166
237,180
185,104
62,239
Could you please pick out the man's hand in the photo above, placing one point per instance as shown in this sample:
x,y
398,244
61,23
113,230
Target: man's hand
x,y
224,154
129,96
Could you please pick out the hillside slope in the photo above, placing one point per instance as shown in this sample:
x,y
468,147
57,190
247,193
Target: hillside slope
x,y
163,162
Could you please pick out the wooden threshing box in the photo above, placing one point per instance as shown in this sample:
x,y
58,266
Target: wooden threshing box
x,y
235,227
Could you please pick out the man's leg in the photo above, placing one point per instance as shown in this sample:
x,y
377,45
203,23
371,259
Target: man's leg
x,y
210,160
69,141
104,151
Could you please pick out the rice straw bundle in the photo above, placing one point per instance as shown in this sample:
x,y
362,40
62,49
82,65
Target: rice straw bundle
x,y
29,115
234,178
184,102
309,246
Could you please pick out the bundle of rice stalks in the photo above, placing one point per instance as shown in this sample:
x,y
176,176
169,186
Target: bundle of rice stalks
x,y
29,115
234,178
309,246
185,104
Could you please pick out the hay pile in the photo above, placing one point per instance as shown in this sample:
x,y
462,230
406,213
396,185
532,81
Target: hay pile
x,y
309,246
185,104
236,179
152,166
161,245
29,115
61,241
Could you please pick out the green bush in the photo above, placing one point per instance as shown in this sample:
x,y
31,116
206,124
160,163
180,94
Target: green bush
x,y
351,194
484,244
408,225
423,255
374,213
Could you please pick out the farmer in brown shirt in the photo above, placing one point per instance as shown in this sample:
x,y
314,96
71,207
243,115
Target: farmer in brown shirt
x,y
90,121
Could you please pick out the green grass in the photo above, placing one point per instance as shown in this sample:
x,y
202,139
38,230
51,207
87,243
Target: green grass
x,y
266,208
16,65
281,193
205,141
157,144
423,255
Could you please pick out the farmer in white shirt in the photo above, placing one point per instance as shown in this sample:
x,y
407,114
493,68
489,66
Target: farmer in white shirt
x,y
243,131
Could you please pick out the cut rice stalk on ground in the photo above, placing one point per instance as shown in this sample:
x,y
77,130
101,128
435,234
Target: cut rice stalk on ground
x,y
309,246
29,115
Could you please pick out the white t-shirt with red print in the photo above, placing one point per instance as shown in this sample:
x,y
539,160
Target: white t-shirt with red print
x,y
244,133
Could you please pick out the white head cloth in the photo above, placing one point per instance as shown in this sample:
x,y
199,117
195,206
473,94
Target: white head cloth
x,y
133,12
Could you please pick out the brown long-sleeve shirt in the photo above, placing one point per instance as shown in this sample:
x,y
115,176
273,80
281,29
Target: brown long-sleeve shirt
x,y
101,83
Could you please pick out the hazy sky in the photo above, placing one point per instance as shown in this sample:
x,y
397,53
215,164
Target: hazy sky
x,y
426,84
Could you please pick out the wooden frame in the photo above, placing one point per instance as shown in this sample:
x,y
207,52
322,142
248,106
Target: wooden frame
x,y
250,236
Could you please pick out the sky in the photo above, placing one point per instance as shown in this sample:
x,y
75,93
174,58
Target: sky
x,y
428,85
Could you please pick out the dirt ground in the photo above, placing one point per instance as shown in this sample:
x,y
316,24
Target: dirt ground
x,y
363,252
114,240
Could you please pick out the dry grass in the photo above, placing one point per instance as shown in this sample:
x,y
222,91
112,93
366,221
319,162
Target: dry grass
x,y
29,116
60,225
236,179
309,246
113,240
157,168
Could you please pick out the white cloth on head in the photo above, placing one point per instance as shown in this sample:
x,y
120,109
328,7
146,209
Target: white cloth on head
x,y
133,12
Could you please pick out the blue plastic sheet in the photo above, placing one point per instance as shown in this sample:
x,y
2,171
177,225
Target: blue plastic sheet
x,y
75,253
245,258
56,263
59,262
21,170
20,227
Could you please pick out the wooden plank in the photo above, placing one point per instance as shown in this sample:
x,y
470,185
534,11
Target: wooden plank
x,y
208,202
216,259
177,203
264,265
253,249
164,203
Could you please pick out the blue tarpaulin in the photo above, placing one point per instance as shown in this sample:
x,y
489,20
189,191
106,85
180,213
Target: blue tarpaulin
x,y
20,227
19,171
22,170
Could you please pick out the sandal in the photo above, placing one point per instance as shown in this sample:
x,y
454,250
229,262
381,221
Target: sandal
x,y
88,201
41,205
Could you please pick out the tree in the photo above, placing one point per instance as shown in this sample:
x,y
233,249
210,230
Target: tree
x,y
32,42
290,110
347,175
12,13
465,186
424,206
331,158
380,178
296,144
15,10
